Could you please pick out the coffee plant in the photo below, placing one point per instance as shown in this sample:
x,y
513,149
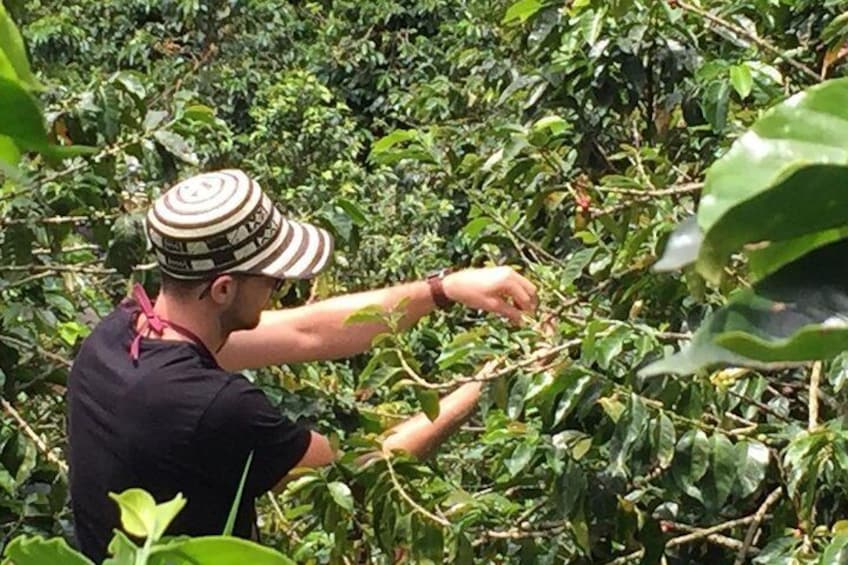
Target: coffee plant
x,y
668,172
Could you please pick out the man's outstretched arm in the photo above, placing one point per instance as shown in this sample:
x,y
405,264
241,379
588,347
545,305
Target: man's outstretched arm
x,y
417,436
317,332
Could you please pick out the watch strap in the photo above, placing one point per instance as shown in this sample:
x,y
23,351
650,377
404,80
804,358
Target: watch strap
x,y
437,289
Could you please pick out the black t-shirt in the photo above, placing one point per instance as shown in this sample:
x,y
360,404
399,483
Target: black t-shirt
x,y
173,421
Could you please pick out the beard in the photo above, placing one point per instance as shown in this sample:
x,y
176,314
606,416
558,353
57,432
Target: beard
x,y
238,320
240,316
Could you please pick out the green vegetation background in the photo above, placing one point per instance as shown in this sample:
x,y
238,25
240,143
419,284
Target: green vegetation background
x,y
565,138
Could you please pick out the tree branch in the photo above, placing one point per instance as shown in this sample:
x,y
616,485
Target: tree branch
x,y
31,434
697,535
770,501
742,32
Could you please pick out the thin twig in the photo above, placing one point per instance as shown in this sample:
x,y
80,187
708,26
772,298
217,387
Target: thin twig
x,y
41,351
680,189
718,539
31,434
815,379
742,32
764,407
770,501
54,220
411,501
698,535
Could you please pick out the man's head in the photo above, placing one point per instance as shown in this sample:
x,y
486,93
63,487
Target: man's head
x,y
219,240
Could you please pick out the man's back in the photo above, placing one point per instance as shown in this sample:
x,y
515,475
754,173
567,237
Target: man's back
x,y
171,422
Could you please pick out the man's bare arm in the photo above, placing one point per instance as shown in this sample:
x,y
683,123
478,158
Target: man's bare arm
x,y
318,331
417,435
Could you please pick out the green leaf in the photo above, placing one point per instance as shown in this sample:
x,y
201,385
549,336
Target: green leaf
x,y
428,545
473,228
752,460
199,113
9,152
138,511
682,246
571,489
521,11
836,552
341,495
629,435
714,104
142,517
12,46
799,313
722,471
231,517
176,145
35,550
576,263
367,315
691,461
353,211
6,68
132,82
153,119
741,79
664,440
520,458
20,118
122,550
464,551
387,142
216,550
780,180
429,400
765,260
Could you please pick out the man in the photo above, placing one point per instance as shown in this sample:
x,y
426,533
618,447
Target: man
x,y
154,397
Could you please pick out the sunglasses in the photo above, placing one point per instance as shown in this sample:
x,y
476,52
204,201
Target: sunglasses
x,y
279,284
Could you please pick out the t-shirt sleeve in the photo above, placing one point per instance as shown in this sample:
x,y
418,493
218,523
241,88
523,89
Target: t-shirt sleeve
x,y
239,420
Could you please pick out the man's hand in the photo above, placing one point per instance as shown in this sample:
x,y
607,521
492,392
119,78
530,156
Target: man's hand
x,y
494,289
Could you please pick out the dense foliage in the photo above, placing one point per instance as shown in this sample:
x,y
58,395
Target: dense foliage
x,y
567,139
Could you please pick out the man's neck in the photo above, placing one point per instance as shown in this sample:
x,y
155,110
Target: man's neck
x,y
195,318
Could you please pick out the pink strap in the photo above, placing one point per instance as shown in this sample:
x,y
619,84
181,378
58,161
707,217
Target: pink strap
x,y
154,322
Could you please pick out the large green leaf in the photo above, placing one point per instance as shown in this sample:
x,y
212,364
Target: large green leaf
x,y
781,180
20,118
216,550
9,152
6,68
752,460
36,550
799,313
12,46
121,549
142,517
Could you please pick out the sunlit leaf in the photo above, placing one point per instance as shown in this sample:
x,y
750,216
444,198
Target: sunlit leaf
x,y
12,45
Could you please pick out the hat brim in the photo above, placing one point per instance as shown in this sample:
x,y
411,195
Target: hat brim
x,y
300,251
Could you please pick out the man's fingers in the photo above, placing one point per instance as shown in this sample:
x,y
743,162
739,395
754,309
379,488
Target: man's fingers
x,y
528,287
505,309
521,297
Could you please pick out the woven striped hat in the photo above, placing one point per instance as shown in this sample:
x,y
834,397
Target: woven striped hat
x,y
222,222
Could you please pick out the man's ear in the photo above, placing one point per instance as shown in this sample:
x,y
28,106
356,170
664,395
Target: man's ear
x,y
224,289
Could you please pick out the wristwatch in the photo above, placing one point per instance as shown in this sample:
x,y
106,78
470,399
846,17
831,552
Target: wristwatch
x,y
437,289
